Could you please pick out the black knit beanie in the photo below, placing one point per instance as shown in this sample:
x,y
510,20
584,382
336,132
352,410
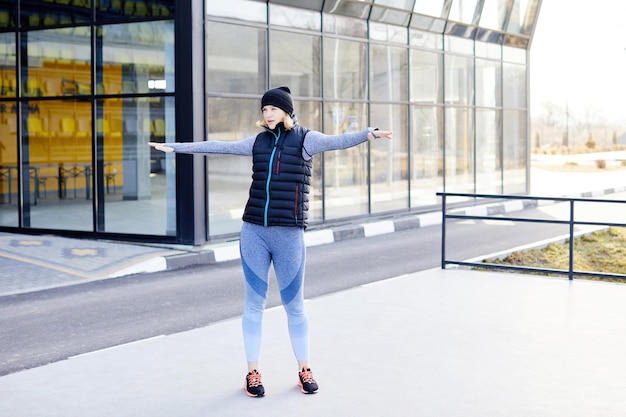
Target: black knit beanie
x,y
279,97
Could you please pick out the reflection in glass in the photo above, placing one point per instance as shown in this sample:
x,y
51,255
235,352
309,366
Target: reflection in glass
x,y
514,85
463,11
116,9
295,18
8,11
493,14
388,73
39,13
345,76
360,9
8,164
488,84
229,176
389,164
345,26
523,16
138,58
488,158
57,148
459,151
231,68
138,182
514,152
8,78
59,62
426,80
252,11
345,171
295,60
426,154
459,80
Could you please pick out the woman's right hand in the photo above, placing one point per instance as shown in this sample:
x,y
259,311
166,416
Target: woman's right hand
x,y
161,147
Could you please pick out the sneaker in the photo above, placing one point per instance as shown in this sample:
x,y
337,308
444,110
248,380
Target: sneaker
x,y
306,382
254,386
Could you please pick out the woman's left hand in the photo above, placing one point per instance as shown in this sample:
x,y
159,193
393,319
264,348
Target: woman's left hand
x,y
381,134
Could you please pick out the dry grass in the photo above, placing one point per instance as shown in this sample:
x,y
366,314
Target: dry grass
x,y
602,251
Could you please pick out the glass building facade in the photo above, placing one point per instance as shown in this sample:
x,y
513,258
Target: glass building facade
x,y
85,84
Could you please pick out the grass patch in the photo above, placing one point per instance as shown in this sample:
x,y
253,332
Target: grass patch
x,y
602,251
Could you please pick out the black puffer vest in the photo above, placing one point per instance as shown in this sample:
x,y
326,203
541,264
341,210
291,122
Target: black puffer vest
x,y
281,179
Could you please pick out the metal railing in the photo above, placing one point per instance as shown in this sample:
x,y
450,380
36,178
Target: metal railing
x,y
570,272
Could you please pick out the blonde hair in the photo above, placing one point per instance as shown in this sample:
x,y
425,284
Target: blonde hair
x,y
288,122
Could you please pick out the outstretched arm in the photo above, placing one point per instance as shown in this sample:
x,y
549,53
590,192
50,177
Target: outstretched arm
x,y
240,147
316,142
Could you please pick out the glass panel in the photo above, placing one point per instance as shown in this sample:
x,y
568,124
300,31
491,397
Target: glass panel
x,y
231,68
355,8
295,60
459,45
138,181
295,18
523,16
398,4
228,175
252,11
459,175
389,159
514,85
425,39
344,26
493,14
345,171
463,11
114,9
488,50
138,58
395,17
8,164
57,149
8,11
488,165
59,63
345,64
426,80
39,13
512,54
459,80
8,83
429,7
515,152
388,73
426,155
488,83
388,33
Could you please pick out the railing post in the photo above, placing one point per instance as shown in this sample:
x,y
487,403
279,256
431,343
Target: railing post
x,y
443,231
571,240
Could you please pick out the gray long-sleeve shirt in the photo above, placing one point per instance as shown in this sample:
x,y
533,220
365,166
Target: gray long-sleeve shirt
x,y
314,143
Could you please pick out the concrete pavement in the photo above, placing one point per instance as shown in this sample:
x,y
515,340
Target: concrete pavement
x,y
436,343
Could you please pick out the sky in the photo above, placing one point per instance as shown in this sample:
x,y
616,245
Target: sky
x,y
578,58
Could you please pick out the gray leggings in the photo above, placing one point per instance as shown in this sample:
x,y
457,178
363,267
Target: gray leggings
x,y
284,247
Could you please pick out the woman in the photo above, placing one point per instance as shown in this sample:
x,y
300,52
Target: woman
x,y
274,220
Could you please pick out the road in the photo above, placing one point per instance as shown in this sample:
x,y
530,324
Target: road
x,y
47,326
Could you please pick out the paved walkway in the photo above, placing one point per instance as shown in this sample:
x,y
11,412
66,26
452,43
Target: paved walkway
x,y
435,343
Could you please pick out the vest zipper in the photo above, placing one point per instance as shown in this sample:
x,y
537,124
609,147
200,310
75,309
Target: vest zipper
x,y
269,178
